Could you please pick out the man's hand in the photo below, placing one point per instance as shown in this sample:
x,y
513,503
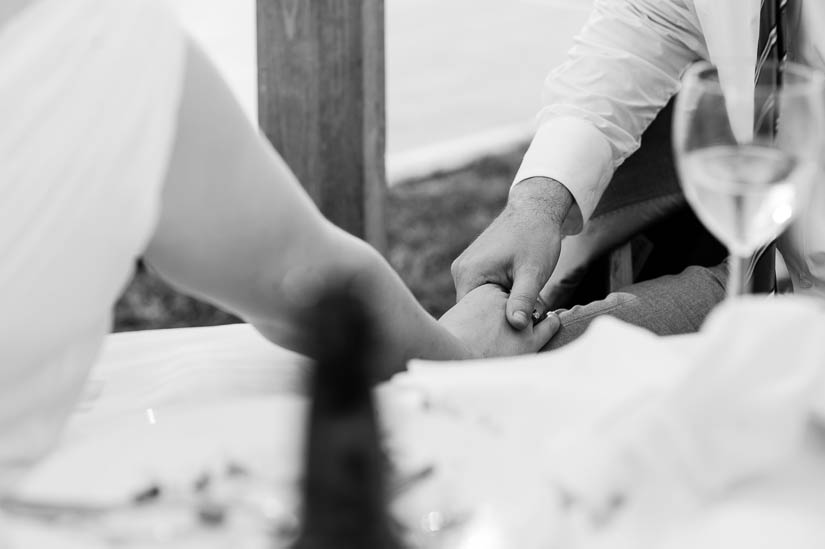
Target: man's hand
x,y
477,322
519,250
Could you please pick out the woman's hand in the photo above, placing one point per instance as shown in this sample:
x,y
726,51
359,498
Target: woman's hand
x,y
480,323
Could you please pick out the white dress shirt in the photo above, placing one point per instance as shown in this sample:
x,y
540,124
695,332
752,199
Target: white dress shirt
x,y
624,66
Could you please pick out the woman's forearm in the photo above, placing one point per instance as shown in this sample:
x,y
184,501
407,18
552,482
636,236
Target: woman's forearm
x,y
404,330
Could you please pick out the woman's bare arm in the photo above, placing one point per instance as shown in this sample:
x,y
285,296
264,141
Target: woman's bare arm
x,y
237,229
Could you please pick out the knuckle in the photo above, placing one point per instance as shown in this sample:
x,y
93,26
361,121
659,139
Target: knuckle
x,y
457,267
469,268
531,271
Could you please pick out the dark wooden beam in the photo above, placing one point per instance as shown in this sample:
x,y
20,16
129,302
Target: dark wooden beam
x,y
321,103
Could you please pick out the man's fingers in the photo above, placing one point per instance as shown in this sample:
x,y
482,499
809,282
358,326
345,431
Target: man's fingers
x,y
523,295
546,329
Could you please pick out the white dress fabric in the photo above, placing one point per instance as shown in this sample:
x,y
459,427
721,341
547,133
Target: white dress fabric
x,y
89,92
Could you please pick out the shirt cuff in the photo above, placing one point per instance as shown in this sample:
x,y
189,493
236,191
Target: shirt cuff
x,y
577,155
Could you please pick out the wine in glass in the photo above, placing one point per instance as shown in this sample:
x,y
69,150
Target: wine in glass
x,y
748,152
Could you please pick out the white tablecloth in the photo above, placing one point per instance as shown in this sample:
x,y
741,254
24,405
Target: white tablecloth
x,y
509,436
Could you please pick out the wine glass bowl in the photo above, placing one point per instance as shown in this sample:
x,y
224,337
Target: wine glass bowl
x,y
747,151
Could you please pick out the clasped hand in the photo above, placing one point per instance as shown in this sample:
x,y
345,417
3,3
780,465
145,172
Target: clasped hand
x,y
479,322
519,250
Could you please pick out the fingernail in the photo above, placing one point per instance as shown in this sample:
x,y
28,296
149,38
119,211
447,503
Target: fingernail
x,y
520,317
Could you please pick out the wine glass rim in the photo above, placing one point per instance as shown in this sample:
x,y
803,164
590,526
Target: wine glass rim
x,y
809,78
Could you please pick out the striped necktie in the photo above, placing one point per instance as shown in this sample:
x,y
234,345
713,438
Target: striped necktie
x,y
779,21
777,24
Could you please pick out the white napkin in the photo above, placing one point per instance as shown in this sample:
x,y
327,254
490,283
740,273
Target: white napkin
x,y
635,430
484,426
149,372
165,407
537,395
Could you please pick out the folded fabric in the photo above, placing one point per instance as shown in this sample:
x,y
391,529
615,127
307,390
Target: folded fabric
x,y
181,368
539,395
636,431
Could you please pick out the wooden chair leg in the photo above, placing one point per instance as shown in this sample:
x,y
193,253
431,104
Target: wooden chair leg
x,y
626,262
620,271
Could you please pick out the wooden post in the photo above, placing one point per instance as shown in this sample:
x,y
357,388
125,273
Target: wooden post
x,y
321,103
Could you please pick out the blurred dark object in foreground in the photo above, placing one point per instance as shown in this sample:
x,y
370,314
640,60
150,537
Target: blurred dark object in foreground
x,y
344,490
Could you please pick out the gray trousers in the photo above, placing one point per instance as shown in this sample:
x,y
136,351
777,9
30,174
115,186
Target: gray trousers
x,y
667,305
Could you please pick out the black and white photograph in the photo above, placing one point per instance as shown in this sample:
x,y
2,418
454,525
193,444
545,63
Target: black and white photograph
x,y
412,274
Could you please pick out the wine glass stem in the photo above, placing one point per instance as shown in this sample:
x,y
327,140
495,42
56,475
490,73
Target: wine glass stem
x,y
738,283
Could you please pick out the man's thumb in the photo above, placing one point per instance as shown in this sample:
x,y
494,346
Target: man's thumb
x,y
523,295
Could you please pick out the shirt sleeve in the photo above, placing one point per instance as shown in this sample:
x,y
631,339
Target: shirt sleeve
x,y
623,68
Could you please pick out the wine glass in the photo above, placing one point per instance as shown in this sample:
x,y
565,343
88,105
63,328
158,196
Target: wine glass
x,y
747,153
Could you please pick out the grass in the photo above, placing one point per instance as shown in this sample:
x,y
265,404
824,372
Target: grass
x,y
429,222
